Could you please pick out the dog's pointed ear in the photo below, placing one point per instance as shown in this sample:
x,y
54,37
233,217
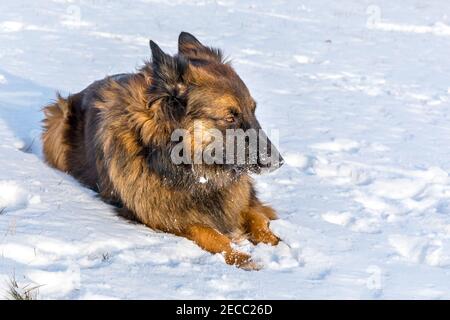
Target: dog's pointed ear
x,y
167,69
158,56
187,42
169,76
189,46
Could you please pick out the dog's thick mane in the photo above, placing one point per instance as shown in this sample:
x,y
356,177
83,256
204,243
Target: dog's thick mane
x,y
146,106
161,97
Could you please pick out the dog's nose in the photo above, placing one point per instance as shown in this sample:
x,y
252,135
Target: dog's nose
x,y
271,163
279,163
269,158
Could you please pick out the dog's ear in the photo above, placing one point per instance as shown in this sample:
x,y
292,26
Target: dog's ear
x,y
169,79
187,42
169,70
189,46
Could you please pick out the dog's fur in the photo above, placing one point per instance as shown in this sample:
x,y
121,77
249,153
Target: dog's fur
x,y
115,137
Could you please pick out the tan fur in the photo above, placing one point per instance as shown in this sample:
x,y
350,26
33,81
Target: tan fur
x,y
213,241
54,129
106,136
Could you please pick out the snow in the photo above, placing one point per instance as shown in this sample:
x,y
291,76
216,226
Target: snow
x,y
12,197
338,145
360,96
302,59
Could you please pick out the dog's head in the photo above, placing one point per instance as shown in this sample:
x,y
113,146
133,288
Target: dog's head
x,y
212,107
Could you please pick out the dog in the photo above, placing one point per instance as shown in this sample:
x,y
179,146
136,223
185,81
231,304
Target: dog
x,y
116,137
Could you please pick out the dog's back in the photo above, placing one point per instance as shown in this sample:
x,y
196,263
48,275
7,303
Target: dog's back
x,y
70,127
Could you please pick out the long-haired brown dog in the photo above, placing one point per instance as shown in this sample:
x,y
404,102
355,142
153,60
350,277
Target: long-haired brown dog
x,y
115,137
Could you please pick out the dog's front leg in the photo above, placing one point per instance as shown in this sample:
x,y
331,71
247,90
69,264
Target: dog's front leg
x,y
257,219
213,241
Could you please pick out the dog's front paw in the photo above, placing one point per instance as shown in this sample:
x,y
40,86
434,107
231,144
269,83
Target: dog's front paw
x,y
251,266
241,260
266,236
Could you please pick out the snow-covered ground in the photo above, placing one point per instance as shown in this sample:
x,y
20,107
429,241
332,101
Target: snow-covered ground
x,y
360,91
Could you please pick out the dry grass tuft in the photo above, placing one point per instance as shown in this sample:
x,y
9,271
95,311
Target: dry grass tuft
x,y
16,292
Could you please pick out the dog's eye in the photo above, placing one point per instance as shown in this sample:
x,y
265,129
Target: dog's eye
x,y
230,119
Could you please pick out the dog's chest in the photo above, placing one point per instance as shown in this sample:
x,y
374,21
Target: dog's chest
x,y
226,206
236,200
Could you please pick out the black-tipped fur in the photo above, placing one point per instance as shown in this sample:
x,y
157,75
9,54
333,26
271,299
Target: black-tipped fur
x,y
189,46
168,81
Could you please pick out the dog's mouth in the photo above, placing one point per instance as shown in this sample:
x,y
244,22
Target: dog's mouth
x,y
257,168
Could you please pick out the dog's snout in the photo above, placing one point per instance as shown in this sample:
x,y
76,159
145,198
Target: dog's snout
x,y
270,163
278,163
269,158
